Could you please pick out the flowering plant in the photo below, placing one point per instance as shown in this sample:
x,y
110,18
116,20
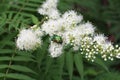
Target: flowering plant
x,y
67,31
45,43
71,41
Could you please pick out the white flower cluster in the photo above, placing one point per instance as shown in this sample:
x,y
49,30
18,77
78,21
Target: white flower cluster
x,y
55,49
67,29
49,8
29,39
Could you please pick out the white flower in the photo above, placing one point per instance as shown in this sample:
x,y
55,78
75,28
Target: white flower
x,y
54,14
48,4
105,45
49,8
27,40
37,30
100,39
87,40
75,48
52,26
86,28
72,37
55,49
118,56
71,19
76,35
69,37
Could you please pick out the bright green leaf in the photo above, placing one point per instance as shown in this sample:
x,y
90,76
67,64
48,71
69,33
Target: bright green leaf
x,y
79,64
18,76
35,19
69,63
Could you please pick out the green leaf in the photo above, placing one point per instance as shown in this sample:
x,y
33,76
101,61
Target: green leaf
x,y
76,78
18,76
62,61
69,63
28,4
2,66
25,54
2,74
22,58
101,63
5,58
79,65
17,58
6,51
6,42
34,19
22,69
91,71
18,68
48,64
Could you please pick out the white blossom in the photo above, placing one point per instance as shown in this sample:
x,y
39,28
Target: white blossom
x,y
54,14
37,30
107,46
103,42
118,56
71,37
86,28
51,27
100,39
49,8
48,4
71,19
55,49
27,40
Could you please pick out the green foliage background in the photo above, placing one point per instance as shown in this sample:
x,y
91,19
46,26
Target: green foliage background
x,y
38,65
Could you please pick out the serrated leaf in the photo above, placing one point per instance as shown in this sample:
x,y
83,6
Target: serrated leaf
x,y
79,65
60,69
62,60
69,63
48,64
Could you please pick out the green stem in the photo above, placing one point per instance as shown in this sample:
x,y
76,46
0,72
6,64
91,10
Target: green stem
x,y
44,19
